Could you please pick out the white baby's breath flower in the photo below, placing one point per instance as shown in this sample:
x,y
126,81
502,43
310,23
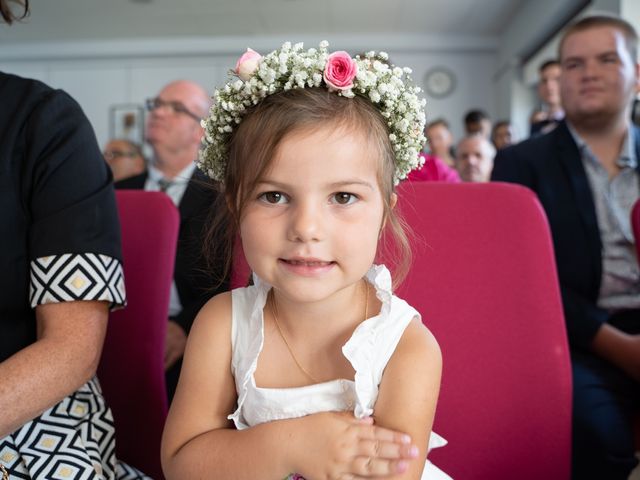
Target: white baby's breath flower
x,y
402,125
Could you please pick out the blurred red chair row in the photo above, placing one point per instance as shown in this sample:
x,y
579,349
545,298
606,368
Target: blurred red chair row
x,y
131,370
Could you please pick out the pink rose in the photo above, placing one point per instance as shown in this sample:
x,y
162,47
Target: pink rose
x,y
340,71
247,64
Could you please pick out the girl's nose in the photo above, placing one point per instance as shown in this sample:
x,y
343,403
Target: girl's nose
x,y
306,223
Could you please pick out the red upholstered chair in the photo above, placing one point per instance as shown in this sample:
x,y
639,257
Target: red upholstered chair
x,y
484,279
240,270
131,370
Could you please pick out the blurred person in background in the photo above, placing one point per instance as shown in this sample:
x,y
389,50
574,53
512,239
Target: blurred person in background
x,y
477,122
503,134
474,158
550,113
434,170
440,141
125,158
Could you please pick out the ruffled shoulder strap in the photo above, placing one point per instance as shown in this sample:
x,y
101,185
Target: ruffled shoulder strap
x,y
247,338
375,339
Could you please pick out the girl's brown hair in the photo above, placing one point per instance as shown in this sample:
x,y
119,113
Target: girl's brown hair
x,y
253,146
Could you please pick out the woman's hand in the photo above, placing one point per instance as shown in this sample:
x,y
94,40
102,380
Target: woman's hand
x,y
337,446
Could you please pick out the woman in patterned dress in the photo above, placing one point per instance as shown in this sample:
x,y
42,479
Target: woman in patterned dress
x,y
61,273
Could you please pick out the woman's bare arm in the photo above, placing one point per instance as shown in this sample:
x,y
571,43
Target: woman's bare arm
x,y
64,357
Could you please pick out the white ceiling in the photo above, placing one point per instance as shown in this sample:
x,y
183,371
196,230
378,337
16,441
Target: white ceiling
x,y
73,20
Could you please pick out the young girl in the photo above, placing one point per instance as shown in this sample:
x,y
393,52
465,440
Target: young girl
x,y
316,370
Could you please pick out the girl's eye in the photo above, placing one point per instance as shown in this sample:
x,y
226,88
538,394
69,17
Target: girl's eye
x,y
344,198
273,197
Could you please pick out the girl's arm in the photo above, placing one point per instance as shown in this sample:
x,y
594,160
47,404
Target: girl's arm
x,y
409,390
199,441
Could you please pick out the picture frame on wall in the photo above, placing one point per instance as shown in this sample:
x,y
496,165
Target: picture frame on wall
x,y
126,121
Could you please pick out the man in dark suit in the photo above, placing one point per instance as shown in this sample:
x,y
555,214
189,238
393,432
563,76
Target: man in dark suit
x,y
547,118
587,178
173,130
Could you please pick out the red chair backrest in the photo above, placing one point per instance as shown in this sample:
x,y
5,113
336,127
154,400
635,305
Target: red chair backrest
x,y
131,370
240,271
484,279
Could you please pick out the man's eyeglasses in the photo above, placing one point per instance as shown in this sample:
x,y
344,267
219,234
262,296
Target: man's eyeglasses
x,y
174,107
113,154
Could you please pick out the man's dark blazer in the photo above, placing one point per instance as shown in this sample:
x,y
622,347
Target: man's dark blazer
x,y
193,282
551,166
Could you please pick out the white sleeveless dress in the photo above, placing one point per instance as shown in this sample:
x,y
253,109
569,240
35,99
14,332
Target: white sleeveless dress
x,y
368,350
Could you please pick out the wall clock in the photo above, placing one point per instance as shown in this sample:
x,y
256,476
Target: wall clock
x,y
439,82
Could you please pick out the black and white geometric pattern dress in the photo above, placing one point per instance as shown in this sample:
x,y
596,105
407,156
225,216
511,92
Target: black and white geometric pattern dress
x,y
75,439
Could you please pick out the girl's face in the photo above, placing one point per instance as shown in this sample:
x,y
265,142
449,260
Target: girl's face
x,y
312,225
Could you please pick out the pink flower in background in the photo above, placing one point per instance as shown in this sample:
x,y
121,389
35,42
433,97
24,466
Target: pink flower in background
x,y
247,64
340,71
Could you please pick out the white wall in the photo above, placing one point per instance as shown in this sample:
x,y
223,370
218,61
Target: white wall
x,y
630,11
102,74
475,88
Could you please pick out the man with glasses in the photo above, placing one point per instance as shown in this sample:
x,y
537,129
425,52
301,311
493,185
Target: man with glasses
x,y
125,158
173,131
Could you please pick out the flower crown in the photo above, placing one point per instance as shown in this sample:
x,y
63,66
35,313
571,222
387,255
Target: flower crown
x,y
389,88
